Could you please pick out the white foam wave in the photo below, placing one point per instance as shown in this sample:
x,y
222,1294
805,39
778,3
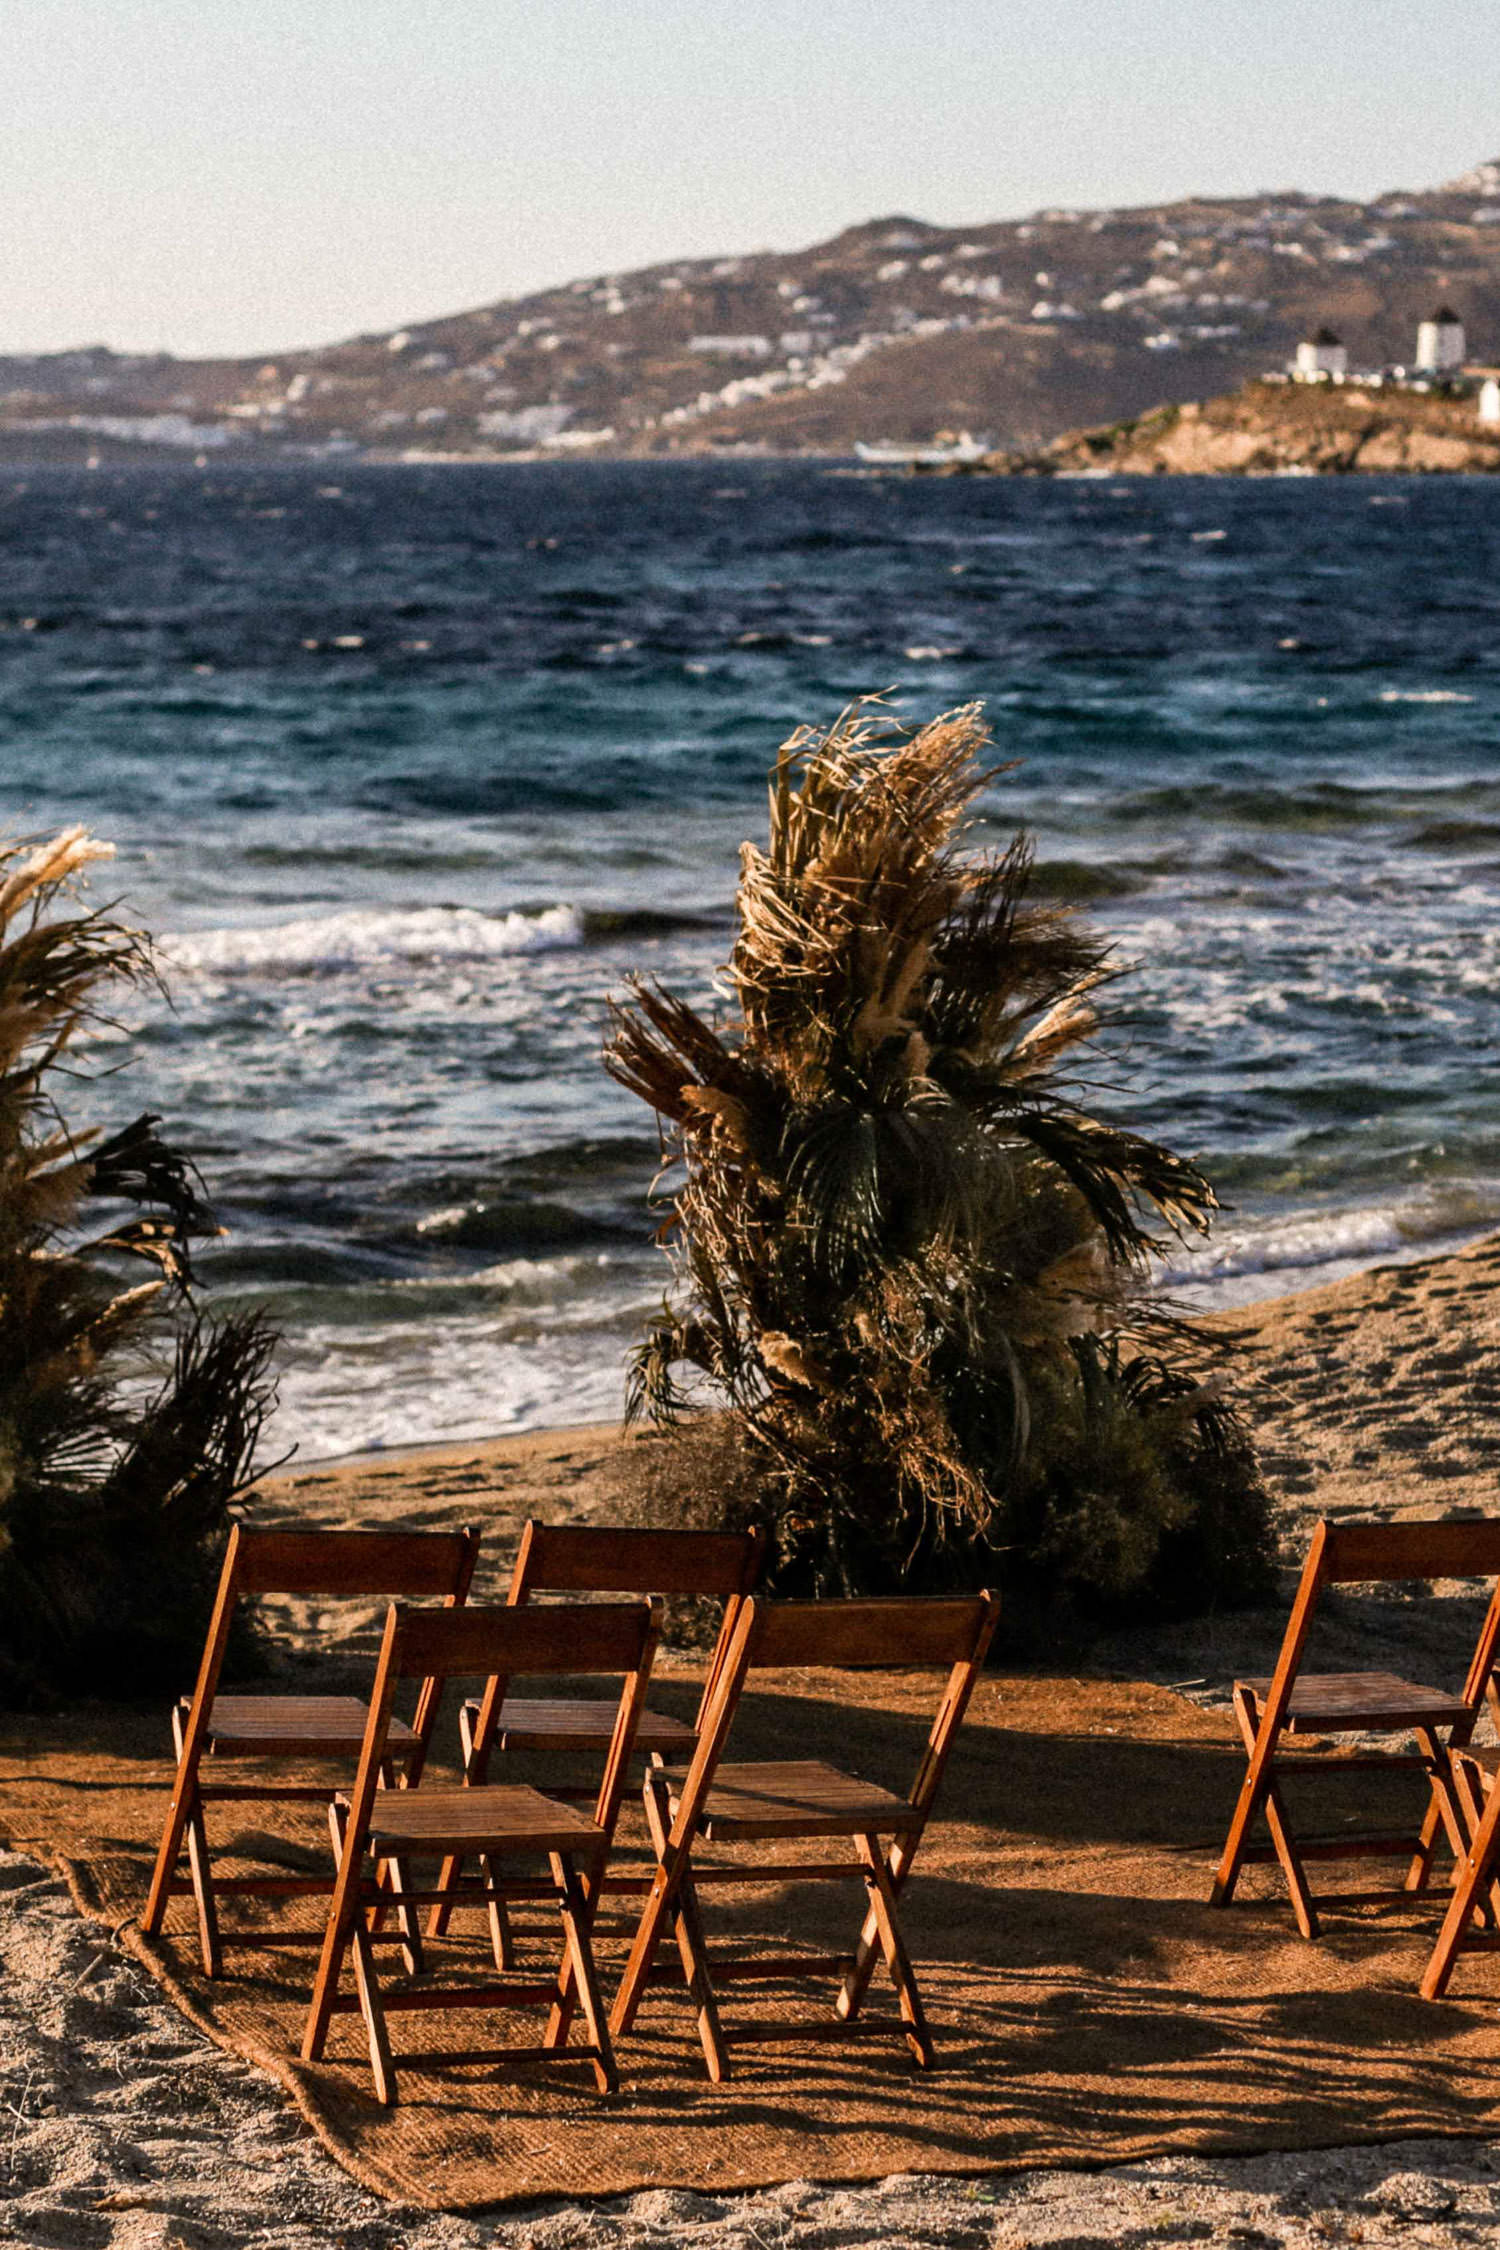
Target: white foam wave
x,y
432,1381
1304,1248
361,936
1423,695
1294,1244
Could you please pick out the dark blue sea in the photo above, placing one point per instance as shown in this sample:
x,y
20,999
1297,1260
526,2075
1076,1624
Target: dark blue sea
x,y
407,768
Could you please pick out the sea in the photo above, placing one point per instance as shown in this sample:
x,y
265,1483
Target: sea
x,y
409,768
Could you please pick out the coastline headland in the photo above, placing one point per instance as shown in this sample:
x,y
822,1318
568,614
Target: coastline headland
x,y
1269,428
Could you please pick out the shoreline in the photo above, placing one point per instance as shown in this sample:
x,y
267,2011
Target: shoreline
x,y
1273,1327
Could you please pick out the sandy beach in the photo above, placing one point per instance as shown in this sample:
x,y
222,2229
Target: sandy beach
x,y
123,2126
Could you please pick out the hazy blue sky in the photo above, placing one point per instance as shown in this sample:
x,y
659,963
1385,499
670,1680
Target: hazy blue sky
x,y
239,175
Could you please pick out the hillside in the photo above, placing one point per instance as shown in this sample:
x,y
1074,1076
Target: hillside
x,y
898,329
1268,429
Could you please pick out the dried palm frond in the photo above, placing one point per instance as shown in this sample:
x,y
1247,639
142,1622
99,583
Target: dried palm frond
x,y
113,1493
899,1234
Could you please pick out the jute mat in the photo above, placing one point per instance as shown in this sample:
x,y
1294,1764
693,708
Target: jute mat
x,y
1089,2007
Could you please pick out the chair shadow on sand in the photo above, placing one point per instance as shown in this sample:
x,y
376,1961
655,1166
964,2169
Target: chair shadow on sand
x,y
1088,2005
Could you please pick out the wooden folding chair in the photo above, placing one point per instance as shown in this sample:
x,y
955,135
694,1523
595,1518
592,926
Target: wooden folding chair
x,y
1472,1921
801,1798
603,1559
508,1821
1293,1703
439,1564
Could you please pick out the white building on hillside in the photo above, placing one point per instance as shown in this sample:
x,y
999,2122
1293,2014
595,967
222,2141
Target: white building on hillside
x,y
1489,399
1440,342
1320,355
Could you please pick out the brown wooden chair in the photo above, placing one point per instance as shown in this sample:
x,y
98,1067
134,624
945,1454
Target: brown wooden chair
x,y
1296,1704
509,1821
603,1559
801,1798
439,1564
1472,1920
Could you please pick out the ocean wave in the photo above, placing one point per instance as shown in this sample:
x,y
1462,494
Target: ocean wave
x,y
1457,835
1080,879
1313,1241
519,1223
436,1381
1293,1245
1423,695
360,936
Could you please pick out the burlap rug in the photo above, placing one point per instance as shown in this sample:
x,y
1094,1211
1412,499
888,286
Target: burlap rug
x,y
1089,2007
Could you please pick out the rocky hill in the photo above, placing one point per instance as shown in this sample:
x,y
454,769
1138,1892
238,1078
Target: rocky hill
x,y
1276,428
895,330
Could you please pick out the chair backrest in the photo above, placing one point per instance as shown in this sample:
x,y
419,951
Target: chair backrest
x,y
886,1632
261,1560
1348,1554
435,1644
1461,1547
615,1559
620,1559
432,1563
894,1633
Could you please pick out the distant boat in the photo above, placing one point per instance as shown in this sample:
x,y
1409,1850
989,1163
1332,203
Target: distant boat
x,y
961,448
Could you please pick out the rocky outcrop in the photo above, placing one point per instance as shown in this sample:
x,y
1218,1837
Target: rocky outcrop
x,y
1277,429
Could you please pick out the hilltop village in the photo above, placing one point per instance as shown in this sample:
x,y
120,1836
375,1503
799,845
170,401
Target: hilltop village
x,y
888,333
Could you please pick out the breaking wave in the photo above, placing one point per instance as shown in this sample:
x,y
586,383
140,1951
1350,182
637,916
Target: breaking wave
x,y
361,936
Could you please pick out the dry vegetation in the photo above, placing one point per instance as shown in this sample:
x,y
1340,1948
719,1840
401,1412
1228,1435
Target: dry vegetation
x,y
127,1420
908,1257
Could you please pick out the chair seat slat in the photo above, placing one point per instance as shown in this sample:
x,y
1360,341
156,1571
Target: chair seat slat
x,y
798,1797
294,1724
582,1723
478,1819
1359,1701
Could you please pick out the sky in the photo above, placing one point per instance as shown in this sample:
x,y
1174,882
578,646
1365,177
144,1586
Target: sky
x,y
238,176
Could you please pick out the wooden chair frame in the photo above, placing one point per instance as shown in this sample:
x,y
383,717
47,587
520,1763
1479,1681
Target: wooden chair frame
x,y
713,1802
603,1559
487,1823
260,1560
1475,1893
1294,1703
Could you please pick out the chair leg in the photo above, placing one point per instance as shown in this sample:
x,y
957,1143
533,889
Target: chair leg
x,y
1247,1805
453,1865
692,1945
502,1937
392,1877
1443,1812
577,1915
867,1950
1259,1793
184,1792
396,1879
654,1914
1291,1866
199,1866
1468,1788
692,1948
442,1912
368,1988
1419,1873
1475,1878
337,1937
893,1946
